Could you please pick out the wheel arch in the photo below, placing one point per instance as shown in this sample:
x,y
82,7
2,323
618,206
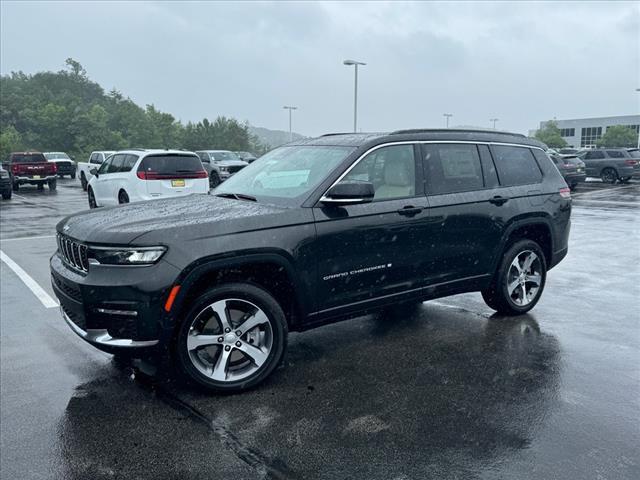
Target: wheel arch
x,y
271,271
538,228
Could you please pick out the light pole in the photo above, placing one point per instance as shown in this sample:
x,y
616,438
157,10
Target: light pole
x,y
355,63
448,116
290,131
494,120
638,90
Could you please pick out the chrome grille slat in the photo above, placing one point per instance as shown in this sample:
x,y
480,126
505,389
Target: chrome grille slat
x,y
73,253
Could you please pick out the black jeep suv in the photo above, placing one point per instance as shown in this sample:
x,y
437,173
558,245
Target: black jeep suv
x,y
313,232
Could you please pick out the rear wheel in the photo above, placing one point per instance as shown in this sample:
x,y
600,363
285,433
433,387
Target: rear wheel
x,y
214,180
53,184
92,198
83,181
519,281
6,195
609,175
233,338
123,197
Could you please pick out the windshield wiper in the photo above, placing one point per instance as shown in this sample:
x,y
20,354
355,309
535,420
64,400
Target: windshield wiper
x,y
237,196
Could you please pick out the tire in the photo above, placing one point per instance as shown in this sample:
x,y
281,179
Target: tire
x,y
60,176
16,187
92,198
501,295
123,197
73,176
6,195
83,182
573,187
201,360
609,175
214,180
53,184
41,186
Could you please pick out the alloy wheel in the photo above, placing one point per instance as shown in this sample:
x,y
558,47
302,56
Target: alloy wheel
x,y
524,278
229,340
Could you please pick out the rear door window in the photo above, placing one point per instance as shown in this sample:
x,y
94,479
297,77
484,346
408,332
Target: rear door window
x,y
116,164
129,162
452,168
171,165
515,165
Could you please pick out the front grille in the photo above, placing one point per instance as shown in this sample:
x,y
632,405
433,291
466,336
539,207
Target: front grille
x,y
73,253
235,169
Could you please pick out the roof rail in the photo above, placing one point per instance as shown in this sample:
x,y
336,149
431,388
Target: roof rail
x,y
337,133
455,130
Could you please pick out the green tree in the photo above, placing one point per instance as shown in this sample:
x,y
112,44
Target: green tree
x,y
549,134
10,141
618,136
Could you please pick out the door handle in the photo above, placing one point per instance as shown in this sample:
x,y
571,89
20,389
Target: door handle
x,y
409,211
498,200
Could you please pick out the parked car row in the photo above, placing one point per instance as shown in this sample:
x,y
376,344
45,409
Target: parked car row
x,y
31,168
609,164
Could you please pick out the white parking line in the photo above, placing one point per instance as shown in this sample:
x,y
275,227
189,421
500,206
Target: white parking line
x,y
612,202
37,290
603,191
26,238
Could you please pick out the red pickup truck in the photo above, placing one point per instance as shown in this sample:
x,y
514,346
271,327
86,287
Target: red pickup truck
x,y
31,168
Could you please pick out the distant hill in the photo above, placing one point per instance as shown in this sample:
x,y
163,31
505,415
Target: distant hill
x,y
272,138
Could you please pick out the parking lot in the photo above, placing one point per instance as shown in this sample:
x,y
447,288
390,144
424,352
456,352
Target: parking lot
x,y
444,390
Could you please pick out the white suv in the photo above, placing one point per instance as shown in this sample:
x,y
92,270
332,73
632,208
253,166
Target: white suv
x,y
137,175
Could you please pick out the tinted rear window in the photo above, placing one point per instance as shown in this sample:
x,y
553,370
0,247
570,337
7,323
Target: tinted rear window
x,y
453,168
27,158
171,164
516,165
634,153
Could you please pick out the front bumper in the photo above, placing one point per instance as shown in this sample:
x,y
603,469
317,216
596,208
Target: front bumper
x,y
115,309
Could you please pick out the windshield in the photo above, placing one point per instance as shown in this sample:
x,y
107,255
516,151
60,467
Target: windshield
x,y
224,156
57,156
287,174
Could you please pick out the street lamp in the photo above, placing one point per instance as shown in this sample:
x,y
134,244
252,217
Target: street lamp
x,y
290,131
494,120
355,63
638,90
448,116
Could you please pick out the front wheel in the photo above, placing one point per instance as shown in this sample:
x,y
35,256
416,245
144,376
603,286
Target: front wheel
x,y
233,338
609,175
53,184
214,180
92,198
6,195
519,281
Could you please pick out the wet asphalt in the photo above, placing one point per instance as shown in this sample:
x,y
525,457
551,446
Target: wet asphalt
x,y
443,390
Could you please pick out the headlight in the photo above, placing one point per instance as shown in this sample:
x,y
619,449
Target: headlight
x,y
224,169
126,256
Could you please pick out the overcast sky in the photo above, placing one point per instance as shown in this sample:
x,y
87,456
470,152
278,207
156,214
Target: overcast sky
x,y
520,62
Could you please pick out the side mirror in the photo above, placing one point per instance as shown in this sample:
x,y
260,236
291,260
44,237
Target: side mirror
x,y
349,193
94,172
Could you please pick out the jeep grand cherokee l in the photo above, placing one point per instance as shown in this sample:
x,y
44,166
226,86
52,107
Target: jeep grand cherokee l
x,y
316,231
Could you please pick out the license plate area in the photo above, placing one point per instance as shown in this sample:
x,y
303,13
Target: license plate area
x,y
177,183
36,177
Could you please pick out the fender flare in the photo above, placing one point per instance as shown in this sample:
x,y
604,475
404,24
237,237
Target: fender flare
x,y
518,223
194,271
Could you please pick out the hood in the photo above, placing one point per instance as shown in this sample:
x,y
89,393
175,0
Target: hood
x,y
190,217
231,163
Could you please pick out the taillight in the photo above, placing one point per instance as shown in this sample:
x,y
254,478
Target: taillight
x,y
55,167
631,162
565,192
15,168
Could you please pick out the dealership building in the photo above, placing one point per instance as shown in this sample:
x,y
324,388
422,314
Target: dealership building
x,y
585,132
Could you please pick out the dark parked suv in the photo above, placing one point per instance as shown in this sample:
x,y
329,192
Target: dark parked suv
x,y
316,231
